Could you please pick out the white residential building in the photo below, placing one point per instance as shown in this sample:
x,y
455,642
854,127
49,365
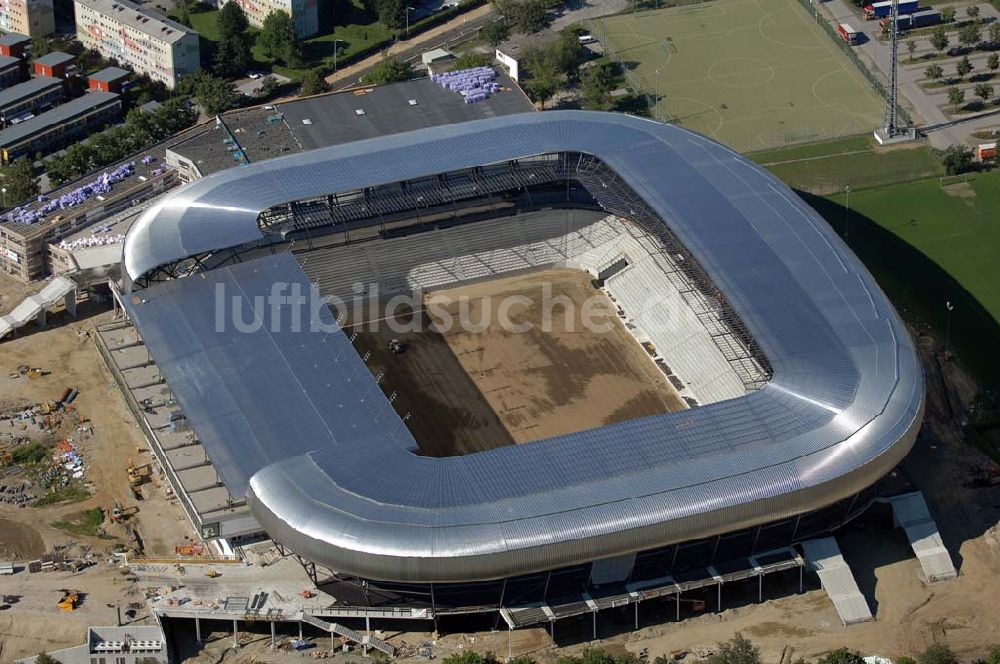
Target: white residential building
x,y
34,18
304,13
145,42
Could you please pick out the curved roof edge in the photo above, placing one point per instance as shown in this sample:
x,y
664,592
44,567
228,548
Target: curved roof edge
x,y
842,408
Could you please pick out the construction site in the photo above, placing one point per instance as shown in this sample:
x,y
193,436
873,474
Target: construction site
x,y
215,493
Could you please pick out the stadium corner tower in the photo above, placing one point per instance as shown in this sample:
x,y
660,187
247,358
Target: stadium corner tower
x,y
804,386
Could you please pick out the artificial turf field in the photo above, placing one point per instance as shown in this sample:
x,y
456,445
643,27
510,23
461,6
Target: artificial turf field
x,y
754,74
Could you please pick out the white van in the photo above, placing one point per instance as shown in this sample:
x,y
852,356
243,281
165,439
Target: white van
x,y
587,39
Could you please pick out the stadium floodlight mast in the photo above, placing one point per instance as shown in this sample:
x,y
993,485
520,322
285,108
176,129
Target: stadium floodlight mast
x,y
891,127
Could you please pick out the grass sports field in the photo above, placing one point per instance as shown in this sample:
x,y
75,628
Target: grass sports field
x,y
927,240
754,74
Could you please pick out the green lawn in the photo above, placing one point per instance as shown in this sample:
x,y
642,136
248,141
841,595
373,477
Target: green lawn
x,y
927,241
929,244
827,168
753,74
359,31
83,523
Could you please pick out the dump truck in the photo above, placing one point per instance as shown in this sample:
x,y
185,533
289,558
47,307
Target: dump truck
x,y
883,9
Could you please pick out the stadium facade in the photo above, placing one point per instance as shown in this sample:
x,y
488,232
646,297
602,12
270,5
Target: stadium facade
x,y
818,392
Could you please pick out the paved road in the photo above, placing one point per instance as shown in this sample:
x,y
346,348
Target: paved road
x,y
942,129
458,29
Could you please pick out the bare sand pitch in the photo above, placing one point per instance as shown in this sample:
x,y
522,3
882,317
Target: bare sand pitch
x,y
467,391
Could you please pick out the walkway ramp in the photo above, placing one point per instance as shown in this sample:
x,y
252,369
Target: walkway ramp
x,y
910,512
823,556
60,289
350,634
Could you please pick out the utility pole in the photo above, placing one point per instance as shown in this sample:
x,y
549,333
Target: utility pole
x,y
947,329
335,42
408,10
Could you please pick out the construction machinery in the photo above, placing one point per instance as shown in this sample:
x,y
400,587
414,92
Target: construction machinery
x,y
212,574
137,475
30,372
69,600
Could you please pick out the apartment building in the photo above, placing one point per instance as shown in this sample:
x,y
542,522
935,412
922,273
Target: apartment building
x,y
34,18
34,96
59,127
11,70
304,13
145,42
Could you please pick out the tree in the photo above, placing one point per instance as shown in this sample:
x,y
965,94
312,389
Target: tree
x,y
269,86
738,650
542,85
20,182
495,33
970,35
994,31
841,656
232,53
972,11
911,46
468,60
934,72
963,67
984,91
40,46
956,96
45,658
597,83
940,653
994,656
939,39
214,94
993,62
567,54
526,16
947,14
389,70
313,83
471,657
278,41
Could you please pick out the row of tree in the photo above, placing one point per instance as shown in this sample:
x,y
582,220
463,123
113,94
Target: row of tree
x,y
737,650
276,39
963,67
139,131
969,36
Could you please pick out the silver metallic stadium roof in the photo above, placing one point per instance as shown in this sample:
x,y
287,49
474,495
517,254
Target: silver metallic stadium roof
x,y
327,464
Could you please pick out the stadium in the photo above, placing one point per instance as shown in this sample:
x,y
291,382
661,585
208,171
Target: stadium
x,y
754,388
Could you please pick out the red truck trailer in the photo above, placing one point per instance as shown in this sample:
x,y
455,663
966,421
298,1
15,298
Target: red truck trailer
x,y
848,34
883,9
919,19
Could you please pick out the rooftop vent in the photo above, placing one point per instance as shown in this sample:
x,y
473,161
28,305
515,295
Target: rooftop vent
x,y
413,102
306,121
359,111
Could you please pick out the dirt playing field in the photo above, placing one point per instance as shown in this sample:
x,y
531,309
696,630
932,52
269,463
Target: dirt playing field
x,y
468,389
